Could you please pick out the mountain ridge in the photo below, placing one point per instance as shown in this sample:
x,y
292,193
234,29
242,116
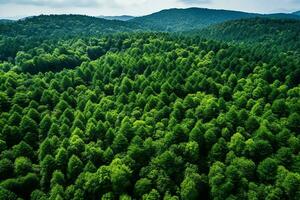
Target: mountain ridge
x,y
119,17
73,23
167,20
282,33
178,19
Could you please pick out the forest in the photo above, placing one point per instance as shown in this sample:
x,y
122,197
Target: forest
x,y
105,109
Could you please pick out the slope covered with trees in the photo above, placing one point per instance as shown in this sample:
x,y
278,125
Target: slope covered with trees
x,y
165,117
281,16
177,20
26,34
272,34
187,19
4,21
297,13
62,25
107,113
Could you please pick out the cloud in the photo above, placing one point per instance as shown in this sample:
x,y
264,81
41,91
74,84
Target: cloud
x,y
93,3
54,3
196,1
136,7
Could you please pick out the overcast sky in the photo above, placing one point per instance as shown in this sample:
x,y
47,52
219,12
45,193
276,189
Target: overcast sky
x,y
12,8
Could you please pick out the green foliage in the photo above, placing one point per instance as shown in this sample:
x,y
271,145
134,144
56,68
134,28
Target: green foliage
x,y
272,34
22,166
75,167
6,168
267,169
173,20
120,176
146,115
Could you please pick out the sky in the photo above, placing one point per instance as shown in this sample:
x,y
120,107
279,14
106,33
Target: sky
x,y
22,8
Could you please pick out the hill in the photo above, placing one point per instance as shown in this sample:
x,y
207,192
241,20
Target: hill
x,y
65,25
296,13
281,16
4,21
275,33
176,20
188,19
32,31
121,18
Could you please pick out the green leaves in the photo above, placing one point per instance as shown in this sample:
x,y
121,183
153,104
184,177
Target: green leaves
x,y
22,166
120,176
267,170
4,101
156,117
75,167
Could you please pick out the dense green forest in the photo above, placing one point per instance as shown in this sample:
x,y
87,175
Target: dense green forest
x,y
188,19
272,34
53,26
176,20
103,109
5,21
27,34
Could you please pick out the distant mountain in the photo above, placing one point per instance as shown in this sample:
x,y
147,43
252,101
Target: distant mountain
x,y
14,18
282,16
282,33
65,25
296,13
188,19
194,18
121,18
31,32
6,21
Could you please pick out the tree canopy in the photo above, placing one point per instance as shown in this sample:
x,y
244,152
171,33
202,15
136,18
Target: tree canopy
x,y
146,115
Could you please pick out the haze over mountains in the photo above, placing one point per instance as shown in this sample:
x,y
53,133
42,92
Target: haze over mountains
x,y
175,19
121,18
48,25
171,20
217,24
193,18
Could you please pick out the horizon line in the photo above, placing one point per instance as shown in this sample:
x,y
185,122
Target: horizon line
x,y
18,17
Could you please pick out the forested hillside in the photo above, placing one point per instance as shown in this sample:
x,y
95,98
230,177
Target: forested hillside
x,y
273,34
29,33
297,13
188,19
177,20
97,109
3,21
281,16
61,25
